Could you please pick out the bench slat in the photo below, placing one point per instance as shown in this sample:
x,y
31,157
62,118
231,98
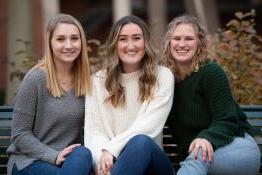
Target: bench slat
x,y
255,122
6,115
5,124
253,114
5,132
5,141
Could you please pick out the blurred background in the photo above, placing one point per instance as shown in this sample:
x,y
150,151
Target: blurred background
x,y
22,25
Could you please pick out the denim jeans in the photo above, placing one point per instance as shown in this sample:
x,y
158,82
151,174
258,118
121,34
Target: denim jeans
x,y
78,162
142,156
241,157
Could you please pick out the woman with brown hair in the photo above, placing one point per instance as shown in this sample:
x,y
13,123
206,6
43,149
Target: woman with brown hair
x,y
132,98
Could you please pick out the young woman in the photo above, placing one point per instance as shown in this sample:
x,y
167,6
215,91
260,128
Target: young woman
x,y
208,125
132,98
49,109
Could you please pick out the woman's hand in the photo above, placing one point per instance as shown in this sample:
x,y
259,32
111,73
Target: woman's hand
x,y
106,163
206,146
62,154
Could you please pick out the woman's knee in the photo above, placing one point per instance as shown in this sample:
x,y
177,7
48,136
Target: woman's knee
x,y
83,153
141,140
141,143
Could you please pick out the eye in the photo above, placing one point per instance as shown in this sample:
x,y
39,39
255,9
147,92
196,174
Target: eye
x,y
75,38
189,38
137,38
60,39
176,38
122,39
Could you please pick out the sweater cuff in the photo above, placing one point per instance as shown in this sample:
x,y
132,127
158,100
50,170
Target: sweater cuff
x,y
50,155
215,139
113,150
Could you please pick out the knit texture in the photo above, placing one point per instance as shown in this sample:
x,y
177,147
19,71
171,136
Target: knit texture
x,y
42,124
205,108
109,128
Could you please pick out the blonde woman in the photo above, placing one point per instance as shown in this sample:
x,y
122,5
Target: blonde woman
x,y
208,125
49,108
132,98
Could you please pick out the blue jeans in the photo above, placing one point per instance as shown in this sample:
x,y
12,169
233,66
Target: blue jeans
x,y
241,157
142,156
77,162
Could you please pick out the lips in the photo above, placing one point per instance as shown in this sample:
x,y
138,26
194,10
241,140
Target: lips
x,y
131,53
69,53
182,51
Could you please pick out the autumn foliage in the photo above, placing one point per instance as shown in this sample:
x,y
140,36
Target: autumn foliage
x,y
238,48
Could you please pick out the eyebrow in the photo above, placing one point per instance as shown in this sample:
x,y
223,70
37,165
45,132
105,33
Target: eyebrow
x,y
65,35
138,34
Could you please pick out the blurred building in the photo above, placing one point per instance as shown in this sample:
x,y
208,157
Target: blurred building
x,y
22,23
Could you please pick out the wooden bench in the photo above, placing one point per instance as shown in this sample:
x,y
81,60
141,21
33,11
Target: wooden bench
x,y
254,114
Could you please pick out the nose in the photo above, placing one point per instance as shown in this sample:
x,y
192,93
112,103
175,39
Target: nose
x,y
68,44
130,44
181,43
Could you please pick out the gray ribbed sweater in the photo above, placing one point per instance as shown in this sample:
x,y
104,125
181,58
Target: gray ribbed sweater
x,y
42,124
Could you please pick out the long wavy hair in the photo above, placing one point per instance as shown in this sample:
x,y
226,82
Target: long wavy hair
x,y
81,69
202,49
147,79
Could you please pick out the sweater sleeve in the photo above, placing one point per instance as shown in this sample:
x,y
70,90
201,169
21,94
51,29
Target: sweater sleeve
x,y
151,117
94,132
23,122
221,106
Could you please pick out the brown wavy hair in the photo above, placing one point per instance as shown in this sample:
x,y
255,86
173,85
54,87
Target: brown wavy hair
x,y
147,79
82,83
202,50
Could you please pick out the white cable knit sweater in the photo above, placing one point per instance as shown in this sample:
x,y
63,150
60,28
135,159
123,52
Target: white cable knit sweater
x,y
109,128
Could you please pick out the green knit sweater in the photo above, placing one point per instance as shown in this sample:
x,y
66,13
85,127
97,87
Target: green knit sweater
x,y
204,107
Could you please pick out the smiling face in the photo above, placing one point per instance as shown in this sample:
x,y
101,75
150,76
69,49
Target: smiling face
x,y
65,43
184,43
130,47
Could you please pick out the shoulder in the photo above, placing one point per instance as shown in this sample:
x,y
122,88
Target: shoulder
x,y
165,79
212,67
99,75
34,76
214,74
98,81
164,74
29,88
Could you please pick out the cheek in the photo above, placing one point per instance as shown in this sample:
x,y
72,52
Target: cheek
x,y
172,44
54,47
79,45
119,48
194,46
142,45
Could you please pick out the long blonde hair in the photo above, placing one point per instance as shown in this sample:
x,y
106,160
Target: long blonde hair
x,y
202,50
81,70
147,79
